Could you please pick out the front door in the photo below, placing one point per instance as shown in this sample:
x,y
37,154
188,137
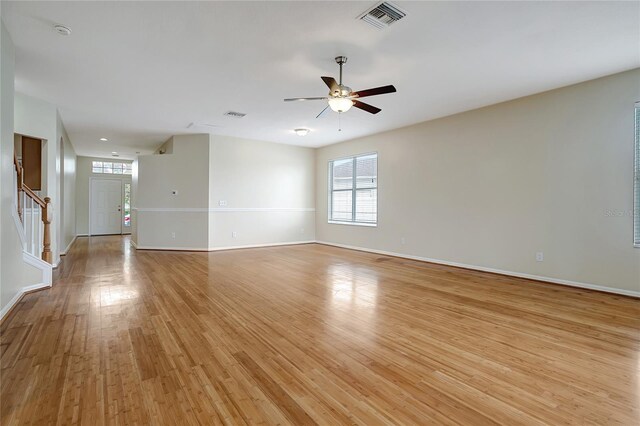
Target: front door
x,y
106,206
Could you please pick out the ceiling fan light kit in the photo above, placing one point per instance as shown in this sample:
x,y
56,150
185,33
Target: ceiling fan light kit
x,y
341,98
340,104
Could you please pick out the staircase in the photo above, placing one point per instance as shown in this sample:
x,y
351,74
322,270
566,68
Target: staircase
x,y
35,216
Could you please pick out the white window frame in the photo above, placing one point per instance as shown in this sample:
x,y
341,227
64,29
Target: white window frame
x,y
113,163
636,177
353,190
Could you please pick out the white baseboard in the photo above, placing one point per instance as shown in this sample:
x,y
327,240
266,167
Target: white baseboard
x,y
289,243
15,299
66,250
492,270
167,248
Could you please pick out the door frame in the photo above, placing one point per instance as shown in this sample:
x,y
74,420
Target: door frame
x,y
94,178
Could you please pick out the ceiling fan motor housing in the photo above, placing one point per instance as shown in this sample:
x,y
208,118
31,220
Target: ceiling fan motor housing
x,y
342,92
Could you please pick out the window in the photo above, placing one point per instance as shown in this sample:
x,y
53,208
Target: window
x,y
127,206
353,190
636,183
109,167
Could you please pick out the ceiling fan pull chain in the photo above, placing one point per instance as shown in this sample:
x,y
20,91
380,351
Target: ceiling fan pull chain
x,y
339,122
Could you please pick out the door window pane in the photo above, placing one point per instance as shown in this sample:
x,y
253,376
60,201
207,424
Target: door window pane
x,y
127,205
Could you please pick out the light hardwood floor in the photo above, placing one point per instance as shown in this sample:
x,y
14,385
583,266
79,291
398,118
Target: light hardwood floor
x,y
312,334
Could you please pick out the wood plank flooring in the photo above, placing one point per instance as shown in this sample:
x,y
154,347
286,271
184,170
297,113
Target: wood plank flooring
x,y
311,334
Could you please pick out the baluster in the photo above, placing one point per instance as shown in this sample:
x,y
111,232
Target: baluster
x,y
39,235
24,212
33,232
27,220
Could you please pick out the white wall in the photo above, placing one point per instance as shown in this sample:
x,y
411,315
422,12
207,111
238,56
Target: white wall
x,y
82,189
15,274
159,214
268,189
68,178
493,186
39,119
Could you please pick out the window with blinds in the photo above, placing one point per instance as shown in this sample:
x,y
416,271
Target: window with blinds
x,y
353,190
636,182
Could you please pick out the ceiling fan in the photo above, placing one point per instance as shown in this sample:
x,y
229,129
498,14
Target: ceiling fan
x,y
341,98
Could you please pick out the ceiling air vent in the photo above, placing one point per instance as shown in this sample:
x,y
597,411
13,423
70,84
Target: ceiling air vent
x,y
234,114
383,15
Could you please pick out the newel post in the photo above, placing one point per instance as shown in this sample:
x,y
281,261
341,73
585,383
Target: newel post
x,y
47,212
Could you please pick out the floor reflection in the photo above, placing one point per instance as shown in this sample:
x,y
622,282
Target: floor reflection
x,y
353,296
113,295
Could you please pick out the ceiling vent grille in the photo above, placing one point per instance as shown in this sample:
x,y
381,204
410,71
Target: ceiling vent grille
x,y
234,114
383,15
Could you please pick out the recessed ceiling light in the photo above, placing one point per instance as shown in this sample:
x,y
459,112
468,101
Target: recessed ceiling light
x,y
302,132
104,139
62,30
114,152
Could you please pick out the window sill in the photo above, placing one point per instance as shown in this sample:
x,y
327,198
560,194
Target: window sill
x,y
369,225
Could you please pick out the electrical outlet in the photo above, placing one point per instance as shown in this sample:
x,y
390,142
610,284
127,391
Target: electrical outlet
x,y
222,203
302,230
173,235
402,240
539,256
234,234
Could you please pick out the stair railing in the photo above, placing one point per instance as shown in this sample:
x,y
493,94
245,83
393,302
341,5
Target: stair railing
x,y
35,215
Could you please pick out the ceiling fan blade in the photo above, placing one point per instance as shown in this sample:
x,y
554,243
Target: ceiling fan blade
x,y
305,99
322,112
332,84
366,107
373,92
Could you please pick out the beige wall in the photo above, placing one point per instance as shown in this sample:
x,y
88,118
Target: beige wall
x,y
268,189
493,186
163,220
83,187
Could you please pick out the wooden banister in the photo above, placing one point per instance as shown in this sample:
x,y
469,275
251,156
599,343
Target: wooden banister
x,y
42,203
20,180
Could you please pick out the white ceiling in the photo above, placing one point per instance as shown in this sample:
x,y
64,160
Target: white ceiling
x,y
139,72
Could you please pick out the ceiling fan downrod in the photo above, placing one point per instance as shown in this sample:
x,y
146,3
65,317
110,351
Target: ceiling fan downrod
x,y
341,60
